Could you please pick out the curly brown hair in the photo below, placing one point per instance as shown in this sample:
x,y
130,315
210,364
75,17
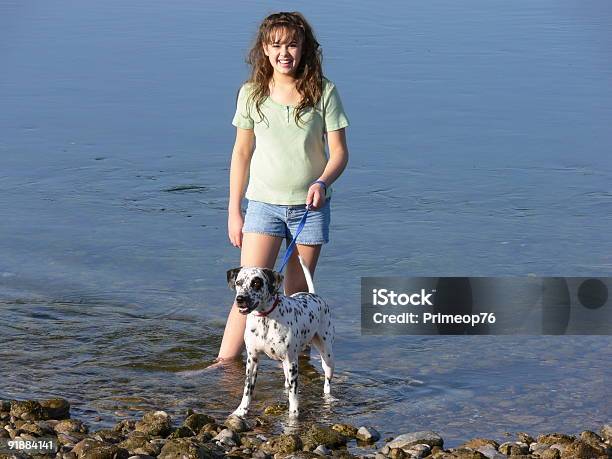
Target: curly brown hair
x,y
309,73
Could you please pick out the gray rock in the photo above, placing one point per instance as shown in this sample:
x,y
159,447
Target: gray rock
x,y
525,438
367,434
28,410
125,426
345,429
418,451
582,450
70,439
398,453
108,436
514,448
318,435
86,444
227,437
550,439
558,446
537,448
27,437
94,449
138,443
155,423
185,448
197,420
406,440
606,432
322,450
283,444
30,429
490,452
237,424
182,431
55,408
591,438
11,432
71,426
478,442
550,454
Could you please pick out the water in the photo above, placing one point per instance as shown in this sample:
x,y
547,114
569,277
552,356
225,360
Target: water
x,y
479,145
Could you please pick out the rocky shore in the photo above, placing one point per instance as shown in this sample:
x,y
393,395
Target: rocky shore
x,y
199,436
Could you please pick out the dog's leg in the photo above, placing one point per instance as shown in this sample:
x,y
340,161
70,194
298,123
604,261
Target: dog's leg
x,y
249,384
290,365
324,346
286,370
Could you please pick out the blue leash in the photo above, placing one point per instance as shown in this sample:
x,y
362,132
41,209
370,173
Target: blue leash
x,y
291,246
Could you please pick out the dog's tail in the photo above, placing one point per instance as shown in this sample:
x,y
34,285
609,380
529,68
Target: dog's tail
x,y
307,276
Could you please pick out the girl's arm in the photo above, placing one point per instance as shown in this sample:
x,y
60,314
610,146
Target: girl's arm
x,y
338,159
239,168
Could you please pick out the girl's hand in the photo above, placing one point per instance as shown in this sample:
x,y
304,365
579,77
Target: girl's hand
x,y
235,221
316,196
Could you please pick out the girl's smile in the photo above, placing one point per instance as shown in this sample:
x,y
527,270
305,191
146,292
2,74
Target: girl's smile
x,y
284,57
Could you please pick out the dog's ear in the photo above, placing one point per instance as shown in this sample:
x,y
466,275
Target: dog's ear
x,y
274,279
231,277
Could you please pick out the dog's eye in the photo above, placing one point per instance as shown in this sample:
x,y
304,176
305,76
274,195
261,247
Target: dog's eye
x,y
239,283
257,283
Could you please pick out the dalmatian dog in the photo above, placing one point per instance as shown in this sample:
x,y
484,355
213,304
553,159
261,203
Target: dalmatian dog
x,y
280,326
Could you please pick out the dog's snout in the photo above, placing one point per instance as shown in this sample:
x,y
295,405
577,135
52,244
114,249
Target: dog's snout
x,y
242,299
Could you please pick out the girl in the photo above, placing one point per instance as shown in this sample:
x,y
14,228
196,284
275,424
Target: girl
x,y
288,106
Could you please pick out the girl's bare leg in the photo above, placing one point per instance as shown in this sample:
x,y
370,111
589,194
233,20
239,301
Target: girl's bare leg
x,y
258,250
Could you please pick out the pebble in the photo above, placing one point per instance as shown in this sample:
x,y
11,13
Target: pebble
x,y
368,434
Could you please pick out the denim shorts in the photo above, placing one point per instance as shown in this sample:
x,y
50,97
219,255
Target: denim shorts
x,y
282,221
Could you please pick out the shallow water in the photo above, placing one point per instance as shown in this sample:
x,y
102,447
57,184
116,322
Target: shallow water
x,y
479,145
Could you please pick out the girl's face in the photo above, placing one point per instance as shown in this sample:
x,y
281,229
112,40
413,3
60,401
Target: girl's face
x,y
284,53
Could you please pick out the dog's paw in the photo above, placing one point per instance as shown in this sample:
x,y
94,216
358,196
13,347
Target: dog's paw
x,y
240,412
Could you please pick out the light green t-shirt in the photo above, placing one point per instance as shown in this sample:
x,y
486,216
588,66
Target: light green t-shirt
x,y
288,157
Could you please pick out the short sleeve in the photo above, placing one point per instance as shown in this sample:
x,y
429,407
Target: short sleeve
x,y
335,117
242,117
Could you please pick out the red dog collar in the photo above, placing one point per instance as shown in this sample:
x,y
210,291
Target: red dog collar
x,y
264,314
